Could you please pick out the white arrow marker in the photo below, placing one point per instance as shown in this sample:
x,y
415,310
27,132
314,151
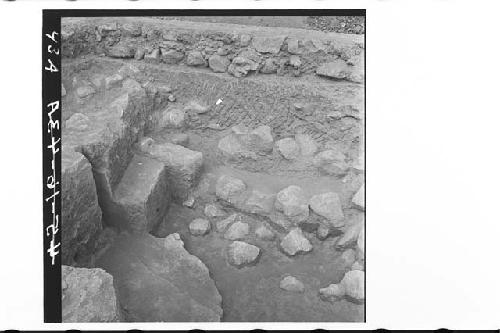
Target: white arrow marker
x,y
218,102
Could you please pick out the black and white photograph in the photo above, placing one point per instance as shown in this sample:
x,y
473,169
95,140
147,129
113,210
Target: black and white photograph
x,y
213,168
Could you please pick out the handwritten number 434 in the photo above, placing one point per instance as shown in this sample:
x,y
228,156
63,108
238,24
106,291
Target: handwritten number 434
x,y
52,50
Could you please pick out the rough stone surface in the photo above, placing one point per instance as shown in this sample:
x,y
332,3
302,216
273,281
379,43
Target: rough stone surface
x,y
291,283
328,205
332,162
350,236
229,188
222,225
360,242
270,66
157,280
195,58
268,44
264,233
145,144
171,56
349,257
218,64
357,266
242,254
293,203
295,243
153,56
199,227
63,91
81,214
143,194
288,148
354,284
88,296
183,167
241,66
359,198
180,139
322,232
212,210
172,119
295,61
196,108
237,231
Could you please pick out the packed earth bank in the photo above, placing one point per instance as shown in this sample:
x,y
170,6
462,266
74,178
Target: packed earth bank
x,y
200,186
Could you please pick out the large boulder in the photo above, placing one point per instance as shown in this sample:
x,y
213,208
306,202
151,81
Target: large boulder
x,y
143,194
88,295
183,167
293,203
295,243
328,206
159,281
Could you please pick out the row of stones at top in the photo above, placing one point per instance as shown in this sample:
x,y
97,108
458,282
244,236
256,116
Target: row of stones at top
x,y
237,54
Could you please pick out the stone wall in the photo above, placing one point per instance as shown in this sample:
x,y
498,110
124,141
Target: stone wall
x,y
232,49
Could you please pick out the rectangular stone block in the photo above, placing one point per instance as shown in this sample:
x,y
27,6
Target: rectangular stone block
x,y
183,167
143,193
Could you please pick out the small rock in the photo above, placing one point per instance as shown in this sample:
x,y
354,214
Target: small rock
x,y
328,205
245,40
113,81
195,58
199,227
241,66
78,122
171,98
223,224
359,198
308,146
288,148
218,64
354,284
295,61
322,232
268,44
350,235
153,57
171,56
85,91
332,293
295,243
264,233
212,210
332,162
291,283
293,203
98,80
229,188
63,91
280,222
270,66
242,254
145,144
181,139
237,231
132,30
337,69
